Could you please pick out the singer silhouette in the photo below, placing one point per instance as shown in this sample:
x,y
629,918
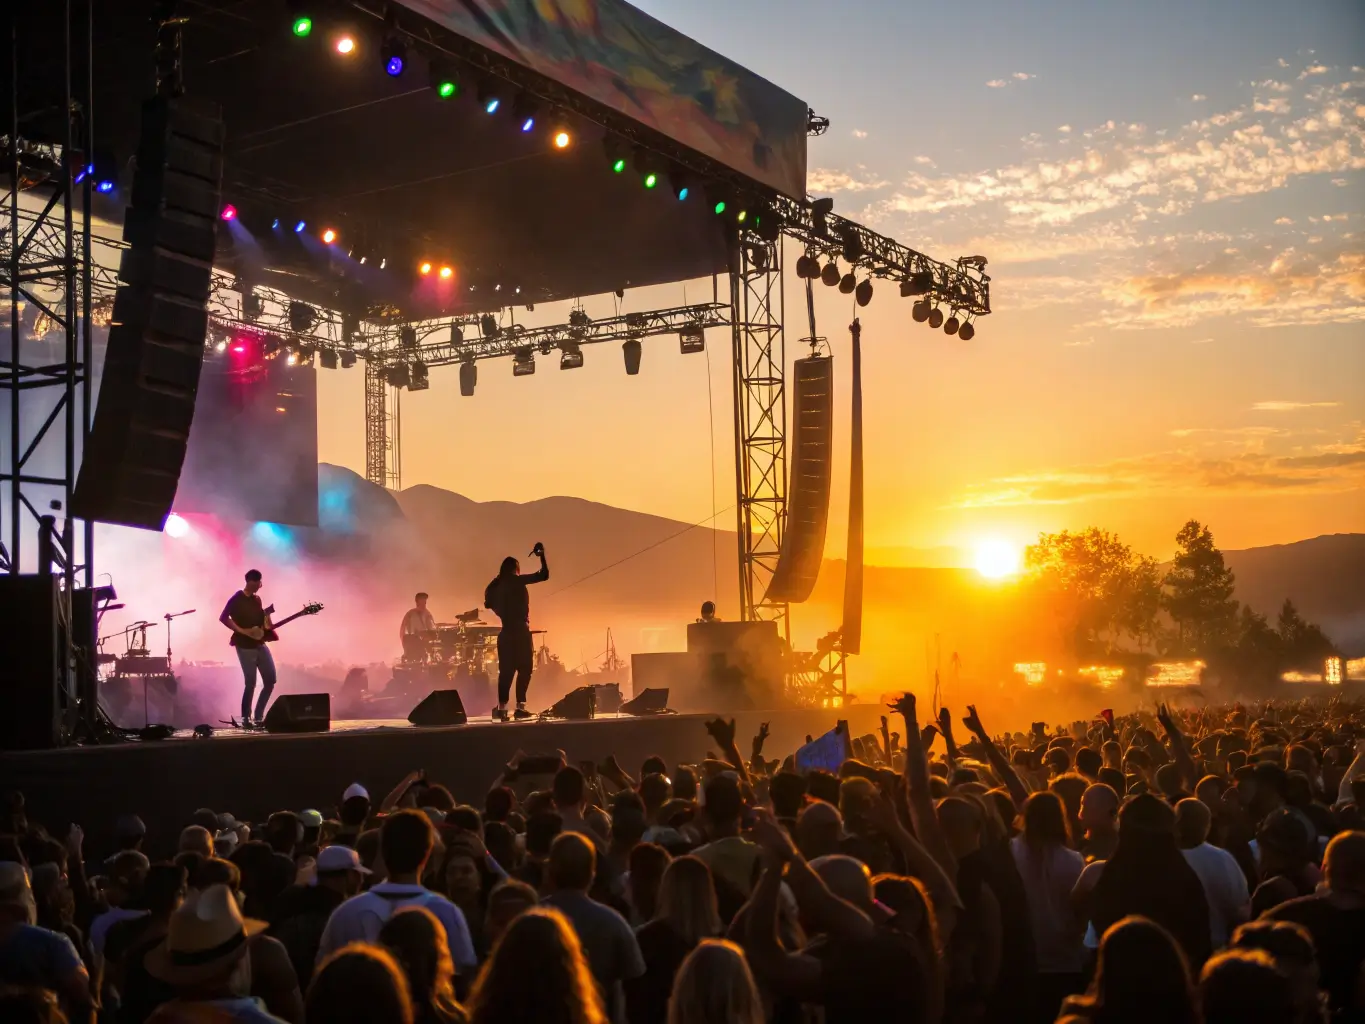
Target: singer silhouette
x,y
507,597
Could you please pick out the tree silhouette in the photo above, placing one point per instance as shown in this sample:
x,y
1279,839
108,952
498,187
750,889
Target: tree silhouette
x,y
1303,643
1199,592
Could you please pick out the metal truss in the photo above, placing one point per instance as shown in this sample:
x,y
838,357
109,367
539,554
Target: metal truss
x,y
962,285
759,359
45,269
383,461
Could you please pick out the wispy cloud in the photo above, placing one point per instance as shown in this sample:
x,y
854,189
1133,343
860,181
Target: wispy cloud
x,y
1198,97
858,133
1313,69
822,179
1022,76
996,83
1280,406
1014,79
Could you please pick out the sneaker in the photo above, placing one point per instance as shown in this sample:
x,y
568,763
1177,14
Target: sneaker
x,y
522,714
499,714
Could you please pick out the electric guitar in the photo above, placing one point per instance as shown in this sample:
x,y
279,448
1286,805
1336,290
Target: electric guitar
x,y
309,609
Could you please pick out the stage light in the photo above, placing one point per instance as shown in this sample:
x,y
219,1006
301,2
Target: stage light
x,y
863,293
469,378
830,275
523,363
345,45
221,346
419,380
442,78
631,351
456,334
175,527
918,283
329,236
328,358
488,325
847,283
966,332
383,263
571,358
562,140
489,98
803,263
719,207
742,216
104,186
298,228
302,317
919,312
524,112
935,318
395,56
681,188
692,340
407,337
424,269
951,325
275,224
239,348
292,359
651,179
347,359
446,273
270,345
229,212
619,165
303,26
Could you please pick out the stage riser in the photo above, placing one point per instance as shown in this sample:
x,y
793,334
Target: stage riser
x,y
252,776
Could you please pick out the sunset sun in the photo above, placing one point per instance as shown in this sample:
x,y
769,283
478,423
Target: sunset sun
x,y
997,559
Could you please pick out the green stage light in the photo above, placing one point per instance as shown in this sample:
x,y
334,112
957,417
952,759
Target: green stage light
x,y
619,166
651,179
720,206
445,90
303,26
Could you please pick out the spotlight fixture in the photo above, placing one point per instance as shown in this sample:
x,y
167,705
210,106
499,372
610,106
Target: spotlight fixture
x,y
578,317
807,267
292,359
328,358
758,256
848,283
105,186
830,275
469,377
443,79
275,224
488,325
399,376
229,212
853,244
631,351
456,334
407,337
719,208
270,345
692,340
616,151
571,358
252,306
951,325
562,139
681,185
917,283
419,379
489,98
935,318
424,268
347,359
919,312
302,317
298,228
524,112
768,224
395,56
447,273
302,27
863,293
329,236
966,332
651,179
523,363
220,345
345,45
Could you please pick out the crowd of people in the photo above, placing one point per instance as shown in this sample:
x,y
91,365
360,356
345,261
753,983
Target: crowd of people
x,y
1184,866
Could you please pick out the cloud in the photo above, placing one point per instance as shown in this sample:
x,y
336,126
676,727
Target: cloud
x,y
1284,220
1198,97
1279,406
925,161
1259,463
1313,69
858,133
1065,129
824,180
1274,105
1022,76
996,83
1340,182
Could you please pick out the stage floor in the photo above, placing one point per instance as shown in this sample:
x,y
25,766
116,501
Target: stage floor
x,y
252,774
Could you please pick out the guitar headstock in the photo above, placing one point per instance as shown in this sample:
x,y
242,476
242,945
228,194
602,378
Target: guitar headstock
x,y
270,609
312,608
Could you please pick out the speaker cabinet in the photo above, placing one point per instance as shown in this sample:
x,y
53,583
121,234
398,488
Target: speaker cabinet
x,y
300,712
440,707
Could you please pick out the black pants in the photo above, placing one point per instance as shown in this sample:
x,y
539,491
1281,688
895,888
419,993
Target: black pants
x,y
516,657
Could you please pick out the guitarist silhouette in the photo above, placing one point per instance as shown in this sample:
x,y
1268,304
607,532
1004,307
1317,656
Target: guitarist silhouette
x,y
252,628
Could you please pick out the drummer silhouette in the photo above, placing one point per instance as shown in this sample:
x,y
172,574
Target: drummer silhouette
x,y
417,627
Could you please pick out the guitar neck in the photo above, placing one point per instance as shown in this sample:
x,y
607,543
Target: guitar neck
x,y
287,619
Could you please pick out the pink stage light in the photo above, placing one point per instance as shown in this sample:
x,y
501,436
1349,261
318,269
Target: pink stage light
x,y
239,348
229,212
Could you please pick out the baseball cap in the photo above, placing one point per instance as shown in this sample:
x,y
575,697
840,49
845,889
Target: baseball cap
x,y
338,858
353,790
225,842
129,826
310,819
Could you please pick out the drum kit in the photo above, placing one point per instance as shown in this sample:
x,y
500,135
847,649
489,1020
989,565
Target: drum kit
x,y
460,653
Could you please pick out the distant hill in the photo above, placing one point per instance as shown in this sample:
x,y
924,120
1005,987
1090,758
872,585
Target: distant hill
x,y
1324,577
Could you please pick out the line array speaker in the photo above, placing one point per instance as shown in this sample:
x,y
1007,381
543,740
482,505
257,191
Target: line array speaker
x,y
131,465
803,543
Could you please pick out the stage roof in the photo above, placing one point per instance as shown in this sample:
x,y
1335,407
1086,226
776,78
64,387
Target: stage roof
x,y
405,177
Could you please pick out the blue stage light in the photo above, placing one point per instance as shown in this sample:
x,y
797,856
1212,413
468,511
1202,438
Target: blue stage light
x,y
393,67
104,186
298,228
275,224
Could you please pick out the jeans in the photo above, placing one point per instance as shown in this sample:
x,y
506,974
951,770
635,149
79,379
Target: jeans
x,y
253,659
516,657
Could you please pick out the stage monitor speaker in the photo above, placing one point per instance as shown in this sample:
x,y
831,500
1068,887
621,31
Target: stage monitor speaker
x,y
608,697
803,543
30,670
440,707
652,701
131,464
578,705
300,712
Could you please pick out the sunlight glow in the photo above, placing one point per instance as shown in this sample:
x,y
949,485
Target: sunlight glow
x,y
997,559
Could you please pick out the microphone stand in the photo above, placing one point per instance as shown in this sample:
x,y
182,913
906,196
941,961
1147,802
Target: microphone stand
x,y
170,666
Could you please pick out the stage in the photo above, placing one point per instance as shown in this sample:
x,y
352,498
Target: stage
x,y
253,774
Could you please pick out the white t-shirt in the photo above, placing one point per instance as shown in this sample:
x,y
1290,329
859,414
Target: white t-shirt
x,y
1225,886
361,917
1048,879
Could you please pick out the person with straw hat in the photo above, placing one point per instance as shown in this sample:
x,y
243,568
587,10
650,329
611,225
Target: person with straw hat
x,y
204,958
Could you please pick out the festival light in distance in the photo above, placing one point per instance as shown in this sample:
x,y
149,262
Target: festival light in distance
x,y
619,165
303,26
175,527
220,346
996,559
651,179
292,358
298,228
329,236
229,212
562,140
446,273
425,268
345,45
239,348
